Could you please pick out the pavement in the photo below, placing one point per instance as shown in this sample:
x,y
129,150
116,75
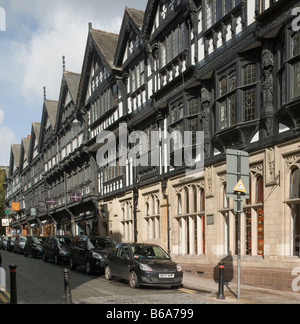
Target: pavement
x,y
249,294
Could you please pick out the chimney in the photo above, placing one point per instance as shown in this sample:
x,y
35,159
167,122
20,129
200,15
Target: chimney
x,y
90,26
29,136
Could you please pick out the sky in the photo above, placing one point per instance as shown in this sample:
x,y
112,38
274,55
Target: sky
x,y
34,35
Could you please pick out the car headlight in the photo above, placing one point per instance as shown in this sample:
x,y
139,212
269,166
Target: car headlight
x,y
179,268
145,267
62,252
97,256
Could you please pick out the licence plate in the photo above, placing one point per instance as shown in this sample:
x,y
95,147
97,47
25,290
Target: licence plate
x,y
165,275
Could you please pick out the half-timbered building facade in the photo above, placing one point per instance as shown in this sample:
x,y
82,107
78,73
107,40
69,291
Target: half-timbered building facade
x,y
226,68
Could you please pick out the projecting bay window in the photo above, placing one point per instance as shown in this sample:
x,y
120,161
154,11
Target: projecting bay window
x,y
217,9
249,94
227,99
262,5
176,126
237,91
137,76
192,117
172,45
103,103
289,71
295,64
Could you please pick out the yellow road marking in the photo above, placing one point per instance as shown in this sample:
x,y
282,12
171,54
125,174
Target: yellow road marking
x,y
5,299
189,291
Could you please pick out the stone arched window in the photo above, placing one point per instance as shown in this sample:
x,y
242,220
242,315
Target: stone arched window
x,y
295,184
260,189
152,217
295,221
191,220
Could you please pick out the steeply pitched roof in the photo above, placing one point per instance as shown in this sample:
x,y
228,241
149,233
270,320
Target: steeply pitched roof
x,y
107,44
72,80
149,18
36,128
14,157
136,15
51,107
26,143
134,19
16,150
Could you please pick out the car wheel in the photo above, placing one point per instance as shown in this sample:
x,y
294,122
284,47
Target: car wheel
x,y
72,264
107,273
56,259
88,268
45,259
25,254
133,280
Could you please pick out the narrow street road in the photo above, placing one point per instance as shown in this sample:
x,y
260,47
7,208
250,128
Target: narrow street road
x,y
43,283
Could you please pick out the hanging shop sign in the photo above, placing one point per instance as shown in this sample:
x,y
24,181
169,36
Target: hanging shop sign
x,y
50,201
76,196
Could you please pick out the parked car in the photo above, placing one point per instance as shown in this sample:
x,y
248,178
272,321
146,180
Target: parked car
x,y
57,248
20,244
10,244
3,242
34,246
143,264
90,251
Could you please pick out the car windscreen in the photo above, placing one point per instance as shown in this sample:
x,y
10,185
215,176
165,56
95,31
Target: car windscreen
x,y
64,241
100,243
36,241
149,252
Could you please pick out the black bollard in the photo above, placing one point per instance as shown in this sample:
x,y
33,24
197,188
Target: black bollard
x,y
67,287
221,295
13,284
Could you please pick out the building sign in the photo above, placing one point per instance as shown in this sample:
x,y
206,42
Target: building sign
x,y
50,201
5,222
15,206
76,196
42,206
